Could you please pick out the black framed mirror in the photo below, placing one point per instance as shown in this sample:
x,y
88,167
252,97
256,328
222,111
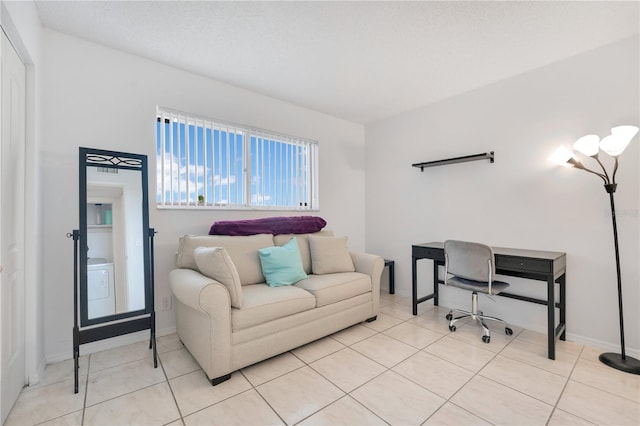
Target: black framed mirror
x,y
113,288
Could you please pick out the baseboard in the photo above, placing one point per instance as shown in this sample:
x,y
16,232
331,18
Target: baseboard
x,y
605,346
114,342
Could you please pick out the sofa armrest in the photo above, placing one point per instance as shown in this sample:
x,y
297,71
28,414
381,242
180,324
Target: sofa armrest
x,y
203,319
371,265
198,291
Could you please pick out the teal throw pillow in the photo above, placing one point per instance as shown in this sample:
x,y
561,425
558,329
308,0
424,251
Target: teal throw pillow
x,y
282,265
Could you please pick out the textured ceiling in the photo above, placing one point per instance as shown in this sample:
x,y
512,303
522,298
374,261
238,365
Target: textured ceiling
x,y
360,61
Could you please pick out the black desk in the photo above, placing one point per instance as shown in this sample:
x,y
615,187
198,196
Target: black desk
x,y
531,264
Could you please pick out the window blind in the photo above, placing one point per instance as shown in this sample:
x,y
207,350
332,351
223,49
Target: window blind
x,y
207,163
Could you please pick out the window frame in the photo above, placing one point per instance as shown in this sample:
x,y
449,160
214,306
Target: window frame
x,y
246,197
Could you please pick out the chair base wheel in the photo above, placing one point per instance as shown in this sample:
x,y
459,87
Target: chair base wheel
x,y
448,317
486,339
452,328
508,331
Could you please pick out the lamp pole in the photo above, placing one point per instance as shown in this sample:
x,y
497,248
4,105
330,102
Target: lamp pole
x,y
618,361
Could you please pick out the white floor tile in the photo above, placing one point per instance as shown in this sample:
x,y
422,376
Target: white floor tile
x,y
397,400
152,405
433,319
347,369
121,355
397,310
464,355
383,322
168,343
353,334
299,394
46,403
193,391
61,371
247,408
116,381
271,368
533,381
472,333
413,335
598,406
318,349
344,412
601,376
384,350
388,299
499,404
537,355
435,374
73,419
450,414
178,362
562,418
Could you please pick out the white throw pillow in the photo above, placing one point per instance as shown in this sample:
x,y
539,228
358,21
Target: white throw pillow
x,y
330,255
214,262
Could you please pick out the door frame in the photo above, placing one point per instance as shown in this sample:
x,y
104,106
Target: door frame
x,y
33,278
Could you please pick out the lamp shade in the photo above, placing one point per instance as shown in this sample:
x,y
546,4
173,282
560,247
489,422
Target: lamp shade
x,y
620,137
627,132
614,145
588,145
561,155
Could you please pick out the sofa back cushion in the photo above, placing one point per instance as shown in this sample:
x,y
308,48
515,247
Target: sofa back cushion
x,y
330,255
303,245
243,251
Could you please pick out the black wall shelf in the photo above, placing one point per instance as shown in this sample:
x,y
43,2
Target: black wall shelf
x,y
484,156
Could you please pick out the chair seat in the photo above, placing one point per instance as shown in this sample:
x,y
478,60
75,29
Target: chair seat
x,y
478,286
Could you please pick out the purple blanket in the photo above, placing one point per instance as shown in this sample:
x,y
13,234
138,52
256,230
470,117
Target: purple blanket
x,y
269,225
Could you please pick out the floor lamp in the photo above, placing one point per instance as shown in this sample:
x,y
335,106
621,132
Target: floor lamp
x,y
613,145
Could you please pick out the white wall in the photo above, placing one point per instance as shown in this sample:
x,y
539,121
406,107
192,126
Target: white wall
x,y
521,200
101,98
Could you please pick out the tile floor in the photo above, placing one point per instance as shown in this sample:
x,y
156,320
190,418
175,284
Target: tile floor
x,y
399,369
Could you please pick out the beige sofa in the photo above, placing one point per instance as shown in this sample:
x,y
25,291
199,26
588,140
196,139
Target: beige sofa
x,y
269,320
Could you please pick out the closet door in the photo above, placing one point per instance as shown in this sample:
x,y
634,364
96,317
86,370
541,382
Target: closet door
x,y
12,227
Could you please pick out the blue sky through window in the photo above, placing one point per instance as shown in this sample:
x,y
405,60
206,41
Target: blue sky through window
x,y
198,160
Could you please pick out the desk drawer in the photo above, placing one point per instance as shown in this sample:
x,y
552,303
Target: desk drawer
x,y
428,253
524,264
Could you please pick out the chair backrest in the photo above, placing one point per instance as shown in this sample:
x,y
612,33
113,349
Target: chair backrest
x,y
473,261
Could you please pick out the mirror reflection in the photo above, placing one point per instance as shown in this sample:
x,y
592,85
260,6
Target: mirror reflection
x,y
115,254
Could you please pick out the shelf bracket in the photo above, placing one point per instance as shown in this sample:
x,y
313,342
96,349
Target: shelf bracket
x,y
484,156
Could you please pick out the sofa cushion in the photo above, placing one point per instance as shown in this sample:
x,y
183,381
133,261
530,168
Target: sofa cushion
x,y
262,303
303,245
282,265
331,288
242,250
214,262
330,255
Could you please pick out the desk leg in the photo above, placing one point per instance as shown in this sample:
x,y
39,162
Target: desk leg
x,y
551,317
414,284
392,278
562,281
436,284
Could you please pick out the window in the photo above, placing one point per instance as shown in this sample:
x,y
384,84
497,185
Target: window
x,y
206,163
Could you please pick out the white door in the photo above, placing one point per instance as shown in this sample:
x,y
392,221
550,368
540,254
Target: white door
x,y
12,184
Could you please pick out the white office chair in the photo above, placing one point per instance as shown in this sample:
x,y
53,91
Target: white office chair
x,y
472,267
